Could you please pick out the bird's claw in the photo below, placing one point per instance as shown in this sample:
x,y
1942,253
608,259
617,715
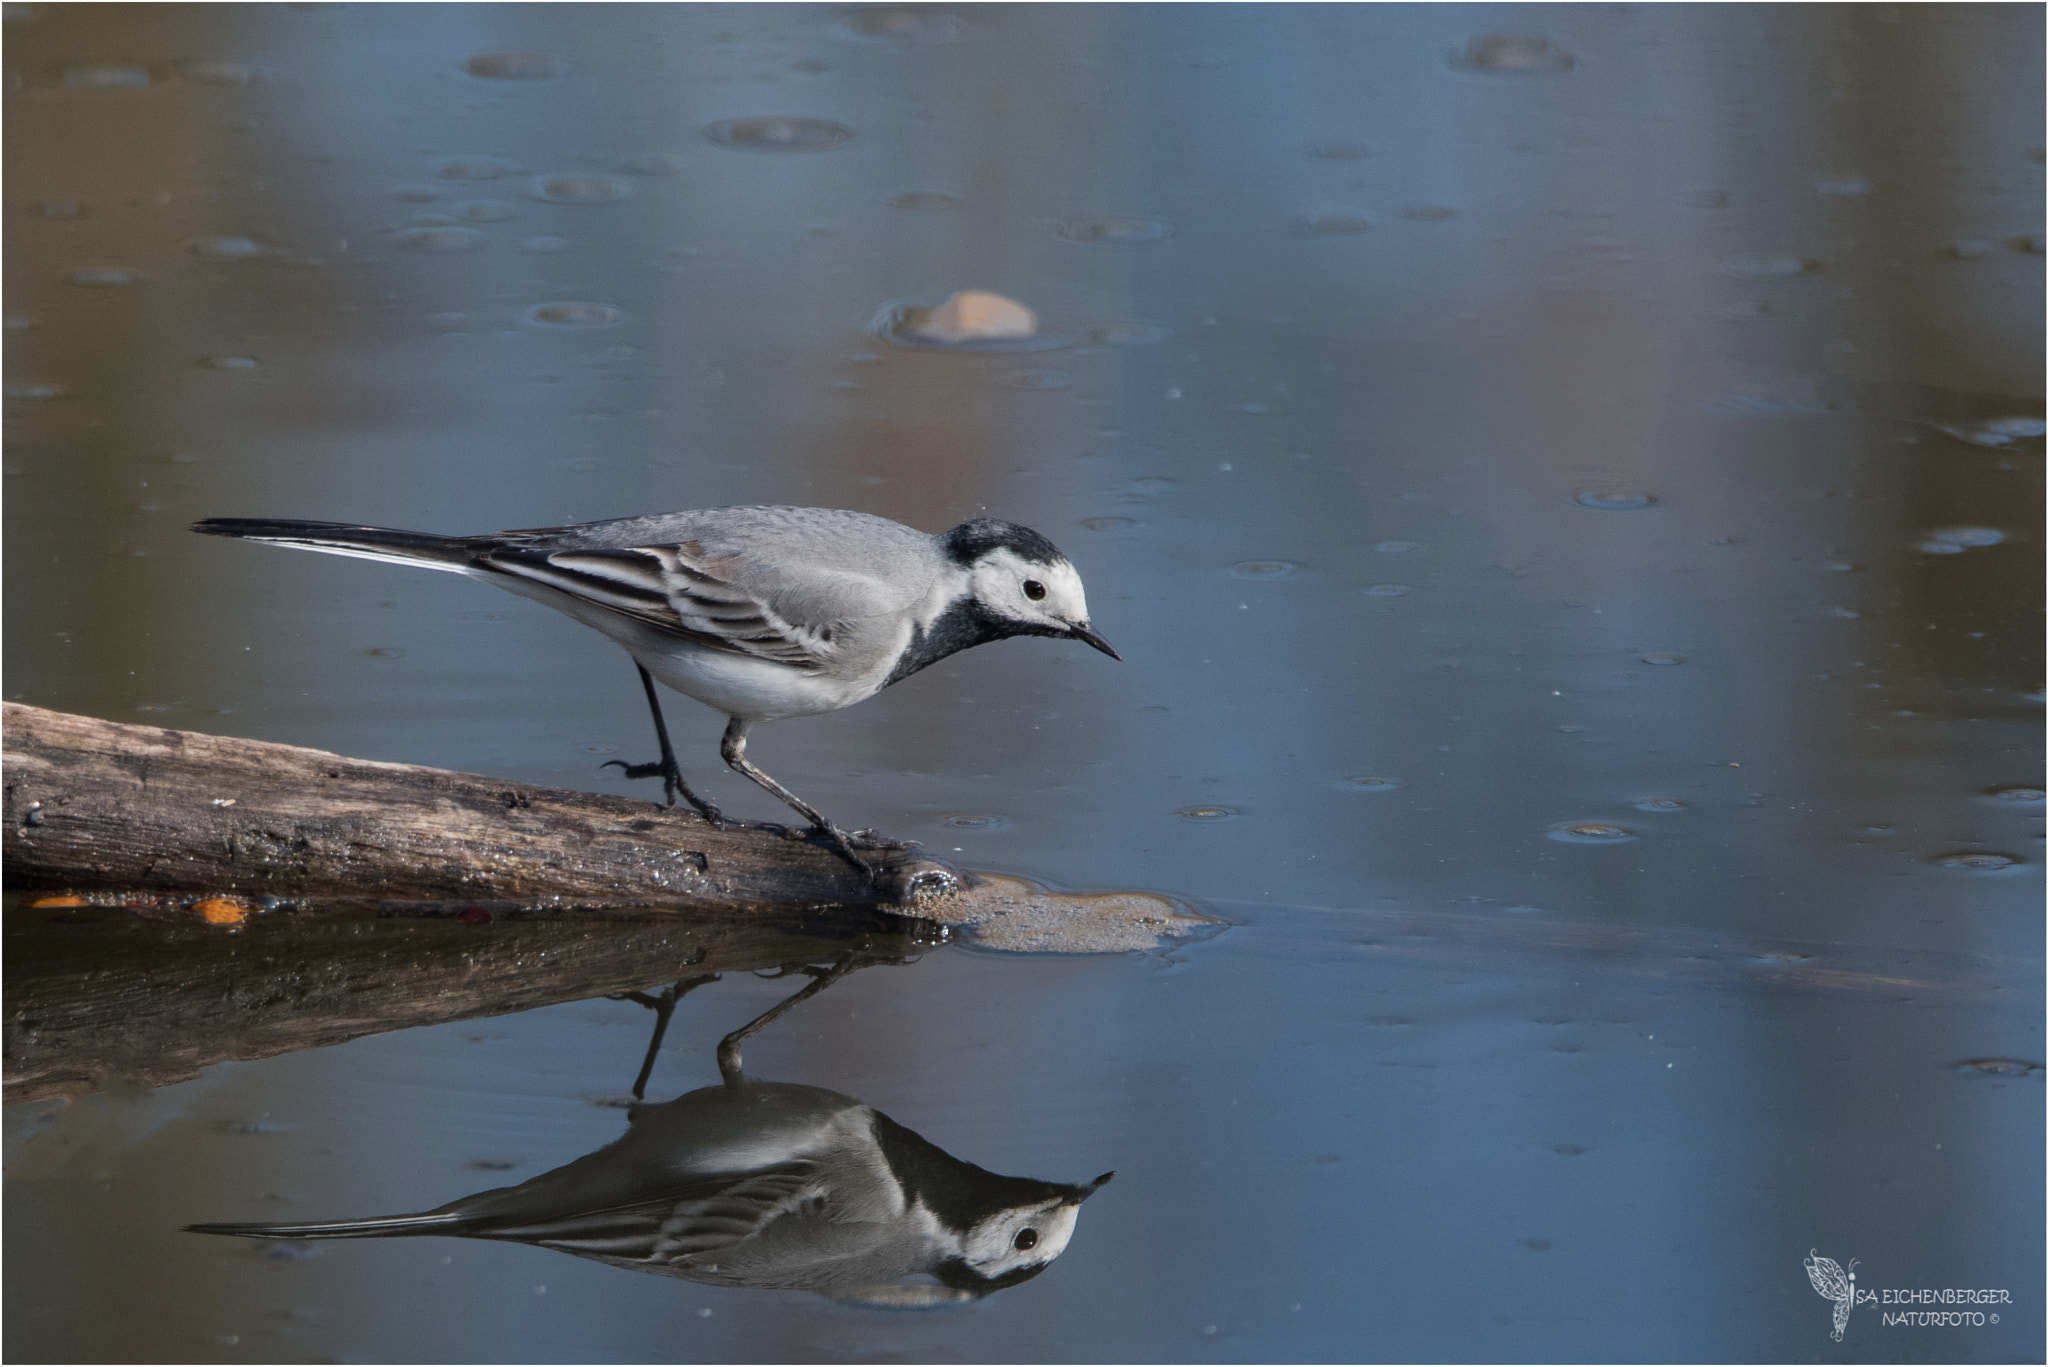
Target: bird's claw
x,y
672,785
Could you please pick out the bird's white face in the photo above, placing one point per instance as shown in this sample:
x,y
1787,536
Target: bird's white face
x,y
1020,1237
1030,592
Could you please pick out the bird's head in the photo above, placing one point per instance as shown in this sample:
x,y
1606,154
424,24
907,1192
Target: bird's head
x,y
1016,1243
1022,583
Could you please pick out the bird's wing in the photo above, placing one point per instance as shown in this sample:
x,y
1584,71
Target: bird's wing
x,y
701,1216
673,591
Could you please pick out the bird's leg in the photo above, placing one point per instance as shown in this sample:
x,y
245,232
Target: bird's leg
x,y
663,1006
821,978
733,746
666,769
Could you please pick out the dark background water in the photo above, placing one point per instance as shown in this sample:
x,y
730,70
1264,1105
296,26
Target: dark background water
x,y
1360,301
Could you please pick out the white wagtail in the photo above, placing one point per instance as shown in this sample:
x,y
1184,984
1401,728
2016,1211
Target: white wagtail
x,y
760,612
766,1185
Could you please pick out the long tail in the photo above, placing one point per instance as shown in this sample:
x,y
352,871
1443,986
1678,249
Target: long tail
x,y
390,1227
339,538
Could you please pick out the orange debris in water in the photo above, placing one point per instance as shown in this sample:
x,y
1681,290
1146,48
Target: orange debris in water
x,y
219,911
58,902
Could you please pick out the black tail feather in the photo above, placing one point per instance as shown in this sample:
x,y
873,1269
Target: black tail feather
x,y
341,538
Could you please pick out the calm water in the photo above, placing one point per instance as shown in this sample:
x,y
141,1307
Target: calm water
x,y
1565,482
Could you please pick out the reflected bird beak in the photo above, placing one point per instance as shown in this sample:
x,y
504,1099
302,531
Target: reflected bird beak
x,y
1081,631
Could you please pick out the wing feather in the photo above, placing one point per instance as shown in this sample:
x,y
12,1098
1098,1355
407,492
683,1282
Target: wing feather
x,y
705,1216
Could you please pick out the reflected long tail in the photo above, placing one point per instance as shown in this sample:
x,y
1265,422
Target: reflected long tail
x,y
389,1227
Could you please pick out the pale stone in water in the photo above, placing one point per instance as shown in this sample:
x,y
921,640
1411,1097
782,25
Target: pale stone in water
x,y
977,316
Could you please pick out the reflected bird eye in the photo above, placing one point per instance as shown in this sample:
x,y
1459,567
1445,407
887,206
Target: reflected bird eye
x,y
1027,1238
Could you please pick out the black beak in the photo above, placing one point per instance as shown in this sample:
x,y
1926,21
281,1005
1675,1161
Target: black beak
x,y
1081,631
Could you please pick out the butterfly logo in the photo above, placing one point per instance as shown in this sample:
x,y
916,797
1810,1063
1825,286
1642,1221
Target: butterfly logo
x,y
1828,1278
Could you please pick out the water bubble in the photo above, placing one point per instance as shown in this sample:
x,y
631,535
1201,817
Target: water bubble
x,y
106,78
579,189
570,314
35,389
1388,591
1428,213
2020,796
1368,783
102,277
1975,861
1113,230
1331,225
1769,265
1591,833
220,73
1613,500
441,239
1518,53
545,244
655,164
925,202
905,24
474,168
516,66
968,822
1397,547
229,362
1123,333
779,133
223,248
1663,659
1955,540
2001,1067
486,210
1337,151
1263,569
1206,813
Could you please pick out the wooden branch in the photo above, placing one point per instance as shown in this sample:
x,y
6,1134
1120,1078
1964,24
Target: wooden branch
x,y
96,804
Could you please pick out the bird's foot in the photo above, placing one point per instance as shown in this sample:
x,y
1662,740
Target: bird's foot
x,y
672,784
843,843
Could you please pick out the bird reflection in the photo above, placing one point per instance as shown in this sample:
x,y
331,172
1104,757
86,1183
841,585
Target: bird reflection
x,y
767,1185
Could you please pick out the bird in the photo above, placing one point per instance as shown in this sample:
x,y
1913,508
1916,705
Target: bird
x,y
761,612
766,1185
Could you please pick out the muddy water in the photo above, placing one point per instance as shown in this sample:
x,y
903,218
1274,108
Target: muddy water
x,y
1565,484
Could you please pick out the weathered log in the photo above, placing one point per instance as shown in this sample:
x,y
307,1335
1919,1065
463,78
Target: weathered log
x,y
101,994
98,804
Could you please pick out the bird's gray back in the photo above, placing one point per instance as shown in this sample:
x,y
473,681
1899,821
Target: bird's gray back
x,y
810,565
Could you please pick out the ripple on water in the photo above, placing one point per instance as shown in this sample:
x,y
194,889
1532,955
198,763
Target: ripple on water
x,y
545,245
440,239
573,314
1769,265
223,248
2019,795
1662,659
974,821
1513,54
516,66
1367,783
474,168
1331,225
35,390
924,202
106,78
1264,569
1998,432
1660,804
220,73
1976,861
2000,1067
102,277
654,164
1107,524
1125,333
486,210
1956,540
779,133
908,25
1206,813
1387,590
579,188
1113,231
229,362
1614,500
1397,547
58,208
1038,379
1591,833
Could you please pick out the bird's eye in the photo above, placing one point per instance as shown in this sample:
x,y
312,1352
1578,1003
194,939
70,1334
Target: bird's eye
x,y
1033,590
1026,1238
